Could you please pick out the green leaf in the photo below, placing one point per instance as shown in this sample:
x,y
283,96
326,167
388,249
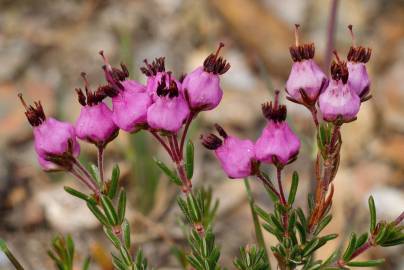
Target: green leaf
x,y
126,233
310,247
189,164
86,263
372,210
125,255
118,263
112,236
97,213
293,188
171,175
113,184
109,210
351,247
361,240
369,263
322,224
331,259
78,194
3,245
121,206
95,174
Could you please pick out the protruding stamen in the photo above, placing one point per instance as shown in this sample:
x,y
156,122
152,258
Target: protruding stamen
x,y
86,84
221,45
22,101
276,103
297,41
350,27
336,56
105,60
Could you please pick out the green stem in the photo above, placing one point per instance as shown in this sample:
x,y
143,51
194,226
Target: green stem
x,y
13,259
257,225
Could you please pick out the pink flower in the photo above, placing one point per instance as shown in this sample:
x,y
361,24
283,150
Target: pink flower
x,y
95,123
358,78
339,102
277,143
55,141
170,109
236,156
202,86
155,72
306,79
130,101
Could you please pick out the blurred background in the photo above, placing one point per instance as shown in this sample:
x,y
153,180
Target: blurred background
x,y
44,45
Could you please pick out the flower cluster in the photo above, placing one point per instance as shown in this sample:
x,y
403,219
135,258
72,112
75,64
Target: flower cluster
x,y
339,97
165,107
162,107
277,144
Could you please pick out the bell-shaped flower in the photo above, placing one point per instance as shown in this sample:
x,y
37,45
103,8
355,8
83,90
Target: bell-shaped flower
x,y
55,141
277,143
358,78
306,79
236,156
170,110
130,100
202,86
339,102
94,124
155,73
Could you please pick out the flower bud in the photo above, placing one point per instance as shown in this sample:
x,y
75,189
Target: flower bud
x,y
95,123
130,101
236,156
339,102
55,141
170,109
277,143
358,78
202,86
306,79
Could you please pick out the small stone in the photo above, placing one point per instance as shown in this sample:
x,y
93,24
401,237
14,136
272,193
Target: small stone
x,y
64,212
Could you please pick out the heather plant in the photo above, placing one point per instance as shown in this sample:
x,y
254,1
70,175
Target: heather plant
x,y
165,108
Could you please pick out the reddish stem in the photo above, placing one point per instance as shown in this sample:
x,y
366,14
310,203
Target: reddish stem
x,y
173,150
399,219
268,183
163,143
85,181
282,194
313,111
101,162
361,249
177,148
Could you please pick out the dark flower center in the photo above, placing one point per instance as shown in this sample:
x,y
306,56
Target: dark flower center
x,y
358,53
158,65
300,52
214,64
213,142
339,69
170,89
274,111
34,114
114,76
92,97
